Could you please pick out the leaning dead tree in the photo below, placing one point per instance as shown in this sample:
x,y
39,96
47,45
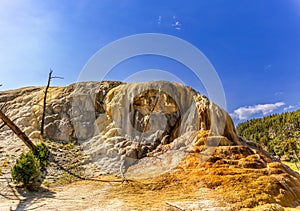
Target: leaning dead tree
x,y
17,131
50,77
7,121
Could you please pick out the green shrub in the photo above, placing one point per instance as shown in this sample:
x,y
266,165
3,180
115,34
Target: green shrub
x,y
27,170
42,154
29,166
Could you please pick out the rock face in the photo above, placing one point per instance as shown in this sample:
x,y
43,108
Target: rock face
x,y
137,120
150,129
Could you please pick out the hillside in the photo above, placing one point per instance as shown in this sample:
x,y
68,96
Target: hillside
x,y
279,134
168,141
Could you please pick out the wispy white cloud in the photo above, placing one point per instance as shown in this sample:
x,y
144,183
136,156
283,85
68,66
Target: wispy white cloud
x,y
278,93
268,67
168,21
244,113
288,107
159,20
176,24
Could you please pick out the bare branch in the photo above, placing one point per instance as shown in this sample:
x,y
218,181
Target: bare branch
x,y
13,120
57,77
17,131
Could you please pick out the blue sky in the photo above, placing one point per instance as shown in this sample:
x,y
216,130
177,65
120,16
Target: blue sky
x,y
253,45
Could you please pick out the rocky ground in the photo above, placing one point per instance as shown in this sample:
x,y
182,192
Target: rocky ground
x,y
93,195
213,188
176,149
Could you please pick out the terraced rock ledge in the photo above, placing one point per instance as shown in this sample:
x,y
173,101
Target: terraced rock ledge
x,y
171,143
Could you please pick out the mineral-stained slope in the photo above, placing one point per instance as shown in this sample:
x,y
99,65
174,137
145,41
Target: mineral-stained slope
x,y
155,130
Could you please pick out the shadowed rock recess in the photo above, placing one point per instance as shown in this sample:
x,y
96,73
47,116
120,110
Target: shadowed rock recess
x,y
154,130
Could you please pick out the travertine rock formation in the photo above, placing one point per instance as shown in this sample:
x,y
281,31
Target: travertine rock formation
x,y
151,129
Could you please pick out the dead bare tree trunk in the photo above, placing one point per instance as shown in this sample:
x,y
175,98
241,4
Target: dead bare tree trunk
x,y
45,101
17,131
